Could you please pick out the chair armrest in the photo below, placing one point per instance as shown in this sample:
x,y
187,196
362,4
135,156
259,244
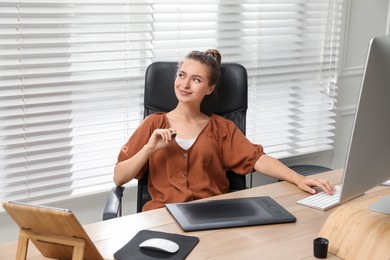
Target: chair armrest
x,y
113,207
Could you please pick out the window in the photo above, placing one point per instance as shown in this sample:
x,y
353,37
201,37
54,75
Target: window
x,y
71,92
71,87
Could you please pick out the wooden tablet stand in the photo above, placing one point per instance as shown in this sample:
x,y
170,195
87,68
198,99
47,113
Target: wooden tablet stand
x,y
355,232
25,235
55,232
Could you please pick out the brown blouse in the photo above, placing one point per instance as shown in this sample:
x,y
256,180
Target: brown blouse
x,y
178,175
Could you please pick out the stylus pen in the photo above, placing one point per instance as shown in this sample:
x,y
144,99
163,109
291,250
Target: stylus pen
x,y
174,135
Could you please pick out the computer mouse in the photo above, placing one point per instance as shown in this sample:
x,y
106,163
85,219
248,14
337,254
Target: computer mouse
x,y
160,244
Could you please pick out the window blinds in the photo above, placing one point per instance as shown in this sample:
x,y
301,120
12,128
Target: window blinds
x,y
71,87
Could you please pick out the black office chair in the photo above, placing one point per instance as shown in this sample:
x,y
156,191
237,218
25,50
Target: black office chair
x,y
308,169
229,100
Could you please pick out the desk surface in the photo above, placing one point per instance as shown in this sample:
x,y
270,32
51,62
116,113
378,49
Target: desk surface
x,y
282,241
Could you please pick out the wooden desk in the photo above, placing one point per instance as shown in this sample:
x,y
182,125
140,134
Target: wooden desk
x,y
284,241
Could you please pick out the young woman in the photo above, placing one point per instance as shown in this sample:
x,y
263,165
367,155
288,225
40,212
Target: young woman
x,y
193,164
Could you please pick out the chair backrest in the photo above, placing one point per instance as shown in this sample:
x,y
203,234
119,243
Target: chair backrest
x,y
230,100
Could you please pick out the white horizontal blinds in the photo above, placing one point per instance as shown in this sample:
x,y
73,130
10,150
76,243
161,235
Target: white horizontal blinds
x,y
295,75
72,79
290,50
184,25
71,93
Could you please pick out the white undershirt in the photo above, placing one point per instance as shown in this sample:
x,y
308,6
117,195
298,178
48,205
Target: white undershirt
x,y
185,143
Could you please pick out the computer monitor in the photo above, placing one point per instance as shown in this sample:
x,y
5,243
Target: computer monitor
x,y
368,159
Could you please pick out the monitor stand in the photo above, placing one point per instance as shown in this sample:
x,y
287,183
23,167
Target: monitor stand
x,y
381,206
355,232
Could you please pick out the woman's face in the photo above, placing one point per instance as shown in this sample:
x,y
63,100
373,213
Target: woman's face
x,y
192,82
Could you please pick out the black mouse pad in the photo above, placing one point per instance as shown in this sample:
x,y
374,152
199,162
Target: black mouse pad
x,y
132,250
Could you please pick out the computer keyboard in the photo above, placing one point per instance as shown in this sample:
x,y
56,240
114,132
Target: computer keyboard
x,y
322,200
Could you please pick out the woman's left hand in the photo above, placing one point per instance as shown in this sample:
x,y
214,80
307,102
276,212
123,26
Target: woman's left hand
x,y
307,184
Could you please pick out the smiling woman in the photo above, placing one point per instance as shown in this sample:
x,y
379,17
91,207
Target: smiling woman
x,y
218,145
194,81
72,80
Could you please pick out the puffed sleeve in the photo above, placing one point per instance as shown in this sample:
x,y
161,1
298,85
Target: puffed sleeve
x,y
139,138
238,153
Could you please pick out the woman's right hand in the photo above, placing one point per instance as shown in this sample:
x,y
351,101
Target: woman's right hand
x,y
126,170
160,138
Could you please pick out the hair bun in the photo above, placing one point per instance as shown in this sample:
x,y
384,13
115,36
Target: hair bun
x,y
215,54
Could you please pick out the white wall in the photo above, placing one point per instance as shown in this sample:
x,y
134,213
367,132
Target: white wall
x,y
363,20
